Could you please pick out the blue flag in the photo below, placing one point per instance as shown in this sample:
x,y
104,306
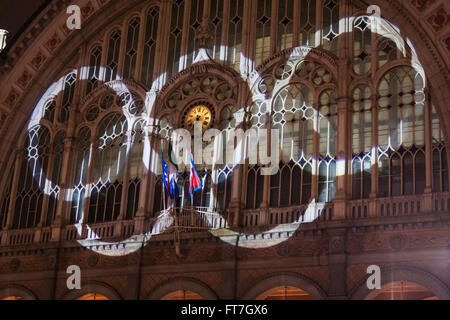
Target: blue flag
x,y
172,175
165,175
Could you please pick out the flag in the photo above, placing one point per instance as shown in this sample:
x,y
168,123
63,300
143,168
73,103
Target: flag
x,y
165,170
195,182
173,175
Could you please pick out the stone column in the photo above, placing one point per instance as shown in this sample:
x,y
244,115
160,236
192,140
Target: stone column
x,y
146,194
343,151
125,185
428,197
374,151
239,169
66,175
337,264
316,153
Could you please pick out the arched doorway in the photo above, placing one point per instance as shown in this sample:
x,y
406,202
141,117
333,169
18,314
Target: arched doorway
x,y
284,286
93,297
285,293
16,293
403,290
405,283
12,298
182,289
184,295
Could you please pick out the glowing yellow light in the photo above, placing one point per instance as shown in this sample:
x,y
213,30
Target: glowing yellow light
x,y
200,113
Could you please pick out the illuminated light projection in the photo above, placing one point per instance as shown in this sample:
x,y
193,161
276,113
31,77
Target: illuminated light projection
x,y
216,224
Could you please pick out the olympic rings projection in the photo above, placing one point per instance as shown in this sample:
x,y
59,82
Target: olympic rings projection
x,y
379,26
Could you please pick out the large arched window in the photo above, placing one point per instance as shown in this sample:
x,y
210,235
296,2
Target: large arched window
x,y
224,171
95,61
5,203
401,132
328,143
294,117
362,49
33,179
440,164
175,37
81,170
151,34
362,143
131,48
113,53
110,153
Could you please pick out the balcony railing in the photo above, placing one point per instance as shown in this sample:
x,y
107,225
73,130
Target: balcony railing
x,y
201,219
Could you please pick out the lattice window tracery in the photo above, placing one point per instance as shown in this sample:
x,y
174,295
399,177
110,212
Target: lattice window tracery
x,y
263,25
196,19
330,25
327,146
175,37
68,94
131,50
5,202
216,17
308,24
33,179
109,164
362,142
81,174
235,34
113,53
401,132
149,54
362,42
94,73
285,35
54,185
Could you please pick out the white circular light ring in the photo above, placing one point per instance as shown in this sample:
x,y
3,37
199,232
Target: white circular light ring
x,y
134,243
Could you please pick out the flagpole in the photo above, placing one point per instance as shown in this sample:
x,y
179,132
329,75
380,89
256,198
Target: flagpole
x,y
163,182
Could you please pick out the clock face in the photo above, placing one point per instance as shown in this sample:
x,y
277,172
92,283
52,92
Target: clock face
x,y
200,113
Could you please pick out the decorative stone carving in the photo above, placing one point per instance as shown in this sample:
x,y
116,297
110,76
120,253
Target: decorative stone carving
x,y
398,242
439,19
92,260
14,265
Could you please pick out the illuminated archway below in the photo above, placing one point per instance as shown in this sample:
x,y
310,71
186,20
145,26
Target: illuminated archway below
x,y
93,296
183,295
12,298
402,290
285,293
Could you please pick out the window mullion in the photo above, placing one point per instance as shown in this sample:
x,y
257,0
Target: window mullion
x,y
296,26
14,189
225,29
125,179
274,27
140,48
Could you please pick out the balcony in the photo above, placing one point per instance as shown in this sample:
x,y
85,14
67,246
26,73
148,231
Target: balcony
x,y
189,220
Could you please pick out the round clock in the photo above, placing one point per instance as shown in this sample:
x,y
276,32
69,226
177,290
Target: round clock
x,y
199,113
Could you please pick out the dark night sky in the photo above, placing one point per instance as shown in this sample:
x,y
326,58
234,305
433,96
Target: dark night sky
x,y
15,13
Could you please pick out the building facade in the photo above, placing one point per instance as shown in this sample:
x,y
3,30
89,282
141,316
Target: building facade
x,y
347,104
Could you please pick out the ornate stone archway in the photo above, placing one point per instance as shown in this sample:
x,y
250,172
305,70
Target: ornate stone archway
x,y
408,274
284,279
92,287
17,291
187,284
